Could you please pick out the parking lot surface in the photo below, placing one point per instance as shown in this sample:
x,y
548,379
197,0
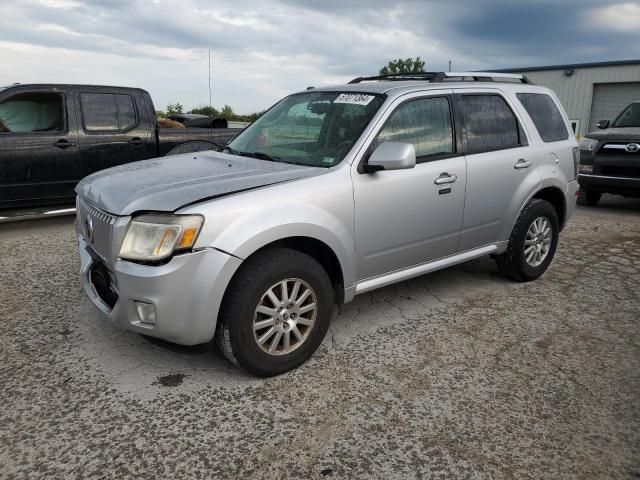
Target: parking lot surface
x,y
458,374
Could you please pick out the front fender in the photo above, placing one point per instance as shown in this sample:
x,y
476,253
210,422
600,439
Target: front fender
x,y
256,231
319,207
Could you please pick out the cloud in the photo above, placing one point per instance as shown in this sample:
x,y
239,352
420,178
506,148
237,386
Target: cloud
x,y
264,50
621,17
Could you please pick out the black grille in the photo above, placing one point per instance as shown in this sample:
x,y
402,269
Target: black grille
x,y
616,171
101,281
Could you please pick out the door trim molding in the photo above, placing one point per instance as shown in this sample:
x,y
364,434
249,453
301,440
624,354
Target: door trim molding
x,y
380,281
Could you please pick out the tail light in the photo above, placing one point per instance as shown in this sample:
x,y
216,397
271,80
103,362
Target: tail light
x,y
576,161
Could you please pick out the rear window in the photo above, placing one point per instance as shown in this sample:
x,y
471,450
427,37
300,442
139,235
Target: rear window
x,y
489,124
107,111
545,115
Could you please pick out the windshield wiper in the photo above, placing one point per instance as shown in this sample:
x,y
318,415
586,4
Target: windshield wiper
x,y
228,148
260,155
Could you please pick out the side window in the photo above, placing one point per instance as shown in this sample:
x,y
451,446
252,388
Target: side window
x,y
107,111
545,115
489,124
126,111
32,113
426,123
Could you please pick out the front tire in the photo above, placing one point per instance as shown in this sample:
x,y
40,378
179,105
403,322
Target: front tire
x,y
275,313
533,242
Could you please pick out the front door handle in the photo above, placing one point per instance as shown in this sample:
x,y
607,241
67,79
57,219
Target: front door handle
x,y
522,163
135,141
445,178
62,143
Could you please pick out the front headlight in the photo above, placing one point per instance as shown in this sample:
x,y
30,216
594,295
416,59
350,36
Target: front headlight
x,y
588,144
156,237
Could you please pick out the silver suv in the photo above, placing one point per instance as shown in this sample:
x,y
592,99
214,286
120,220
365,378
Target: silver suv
x,y
333,192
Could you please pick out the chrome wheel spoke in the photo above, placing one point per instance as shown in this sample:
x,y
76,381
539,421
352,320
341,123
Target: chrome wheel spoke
x,y
304,321
272,296
531,255
275,341
264,324
285,293
296,332
307,308
287,340
295,290
271,312
265,336
303,297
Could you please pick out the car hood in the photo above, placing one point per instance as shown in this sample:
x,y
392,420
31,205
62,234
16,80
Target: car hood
x,y
169,183
624,134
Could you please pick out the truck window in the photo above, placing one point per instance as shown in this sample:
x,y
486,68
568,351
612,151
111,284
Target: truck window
x,y
545,115
630,117
32,112
107,111
425,123
489,124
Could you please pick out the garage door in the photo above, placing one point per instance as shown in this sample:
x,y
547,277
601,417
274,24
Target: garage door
x,y
609,99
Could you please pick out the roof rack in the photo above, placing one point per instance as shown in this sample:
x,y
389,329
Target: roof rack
x,y
437,77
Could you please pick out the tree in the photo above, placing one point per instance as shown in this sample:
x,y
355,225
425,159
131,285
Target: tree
x,y
206,110
227,112
407,65
174,108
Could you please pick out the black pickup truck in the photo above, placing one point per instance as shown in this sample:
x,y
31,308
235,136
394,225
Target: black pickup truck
x,y
51,136
610,158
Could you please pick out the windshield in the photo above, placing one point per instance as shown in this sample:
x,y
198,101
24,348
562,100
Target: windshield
x,y
311,128
630,117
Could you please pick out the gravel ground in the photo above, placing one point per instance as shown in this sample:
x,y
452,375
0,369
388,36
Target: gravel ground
x,y
458,374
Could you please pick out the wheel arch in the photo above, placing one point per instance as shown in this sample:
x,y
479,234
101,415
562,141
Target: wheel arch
x,y
320,252
556,198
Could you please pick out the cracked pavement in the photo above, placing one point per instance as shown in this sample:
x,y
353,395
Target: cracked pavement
x,y
457,374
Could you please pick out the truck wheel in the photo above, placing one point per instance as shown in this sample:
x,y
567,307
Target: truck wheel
x,y
532,243
275,313
589,197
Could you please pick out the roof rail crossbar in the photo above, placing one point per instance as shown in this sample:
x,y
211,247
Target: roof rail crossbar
x,y
437,77
398,77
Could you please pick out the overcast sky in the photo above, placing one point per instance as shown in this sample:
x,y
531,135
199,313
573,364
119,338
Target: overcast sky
x,y
263,50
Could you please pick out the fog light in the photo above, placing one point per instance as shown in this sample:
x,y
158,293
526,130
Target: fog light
x,y
586,168
146,312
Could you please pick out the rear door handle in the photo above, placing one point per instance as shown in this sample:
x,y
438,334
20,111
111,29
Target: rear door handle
x,y
135,141
522,163
62,143
445,178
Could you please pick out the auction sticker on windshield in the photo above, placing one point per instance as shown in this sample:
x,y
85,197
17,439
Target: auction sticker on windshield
x,y
354,98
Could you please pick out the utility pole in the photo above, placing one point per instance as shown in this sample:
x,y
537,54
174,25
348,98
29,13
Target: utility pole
x,y
449,65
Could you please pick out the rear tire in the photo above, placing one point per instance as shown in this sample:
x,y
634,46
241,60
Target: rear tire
x,y
531,247
256,303
589,197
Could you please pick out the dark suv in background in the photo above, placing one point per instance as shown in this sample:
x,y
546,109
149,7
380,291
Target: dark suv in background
x,y
610,158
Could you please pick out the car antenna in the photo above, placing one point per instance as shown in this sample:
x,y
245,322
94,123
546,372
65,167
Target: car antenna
x,y
210,104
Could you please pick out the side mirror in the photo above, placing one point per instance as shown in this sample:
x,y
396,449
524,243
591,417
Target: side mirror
x,y
391,156
602,124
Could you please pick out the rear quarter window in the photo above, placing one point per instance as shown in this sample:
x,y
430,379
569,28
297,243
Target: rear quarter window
x,y
545,115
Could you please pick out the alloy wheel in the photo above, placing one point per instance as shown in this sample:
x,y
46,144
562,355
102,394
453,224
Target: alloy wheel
x,y
285,316
538,241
